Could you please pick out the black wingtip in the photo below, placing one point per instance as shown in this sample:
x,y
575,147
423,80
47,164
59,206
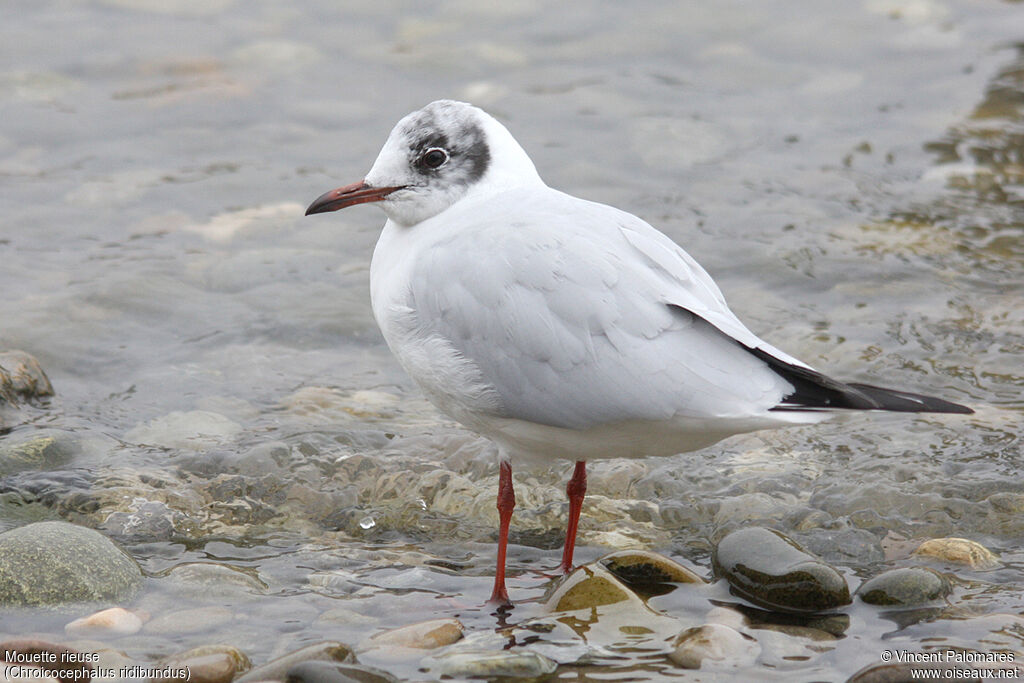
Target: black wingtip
x,y
906,402
815,391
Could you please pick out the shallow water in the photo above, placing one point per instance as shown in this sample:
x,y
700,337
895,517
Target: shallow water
x,y
852,176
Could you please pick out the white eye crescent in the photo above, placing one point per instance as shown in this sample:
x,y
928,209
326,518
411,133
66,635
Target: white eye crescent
x,y
433,158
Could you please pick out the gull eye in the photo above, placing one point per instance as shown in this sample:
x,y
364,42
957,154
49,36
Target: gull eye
x,y
433,158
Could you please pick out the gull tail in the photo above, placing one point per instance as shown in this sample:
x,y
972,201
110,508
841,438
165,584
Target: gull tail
x,y
815,391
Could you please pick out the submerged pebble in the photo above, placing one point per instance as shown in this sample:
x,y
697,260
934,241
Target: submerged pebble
x,y
116,621
771,570
42,564
715,646
425,635
195,430
206,664
490,665
277,669
208,578
50,450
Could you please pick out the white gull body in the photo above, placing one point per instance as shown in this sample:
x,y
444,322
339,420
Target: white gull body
x,y
560,327
574,329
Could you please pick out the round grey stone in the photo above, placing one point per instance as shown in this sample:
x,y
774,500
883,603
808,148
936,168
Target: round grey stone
x,y
53,563
905,587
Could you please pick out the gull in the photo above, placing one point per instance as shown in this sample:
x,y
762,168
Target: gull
x,y
561,328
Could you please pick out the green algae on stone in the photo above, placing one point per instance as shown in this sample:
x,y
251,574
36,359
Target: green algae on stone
x,y
48,451
645,567
54,563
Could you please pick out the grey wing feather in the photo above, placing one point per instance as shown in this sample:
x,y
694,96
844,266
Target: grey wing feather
x,y
582,315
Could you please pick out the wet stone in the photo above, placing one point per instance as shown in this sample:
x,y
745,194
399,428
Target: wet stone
x,y
781,647
332,672
208,578
958,551
206,664
196,430
147,521
277,669
640,567
904,587
587,586
109,623
487,665
22,378
714,646
42,564
261,460
771,570
425,635
49,450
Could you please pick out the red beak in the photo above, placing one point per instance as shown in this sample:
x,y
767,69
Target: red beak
x,y
350,195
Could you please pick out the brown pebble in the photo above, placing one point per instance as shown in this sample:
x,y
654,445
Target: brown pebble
x,y
66,661
206,664
425,635
959,551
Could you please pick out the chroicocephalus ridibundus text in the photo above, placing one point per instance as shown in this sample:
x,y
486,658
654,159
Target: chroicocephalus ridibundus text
x,y
559,327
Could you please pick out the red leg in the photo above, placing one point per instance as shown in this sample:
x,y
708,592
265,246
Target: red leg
x,y
575,489
506,502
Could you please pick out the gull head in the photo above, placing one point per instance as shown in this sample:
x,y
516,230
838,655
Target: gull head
x,y
436,156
